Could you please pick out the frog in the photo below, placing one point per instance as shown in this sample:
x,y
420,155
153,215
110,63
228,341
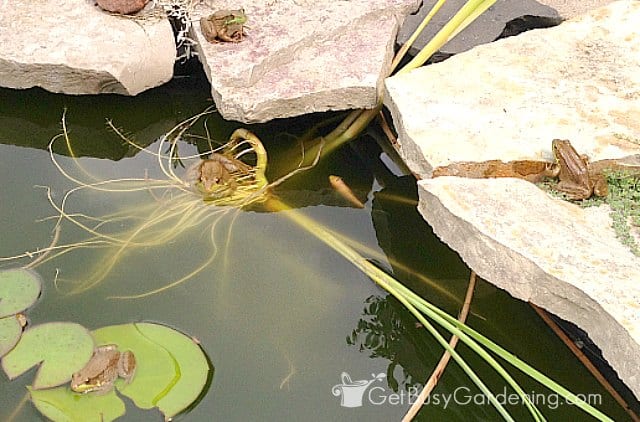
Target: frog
x,y
224,25
105,366
217,170
574,174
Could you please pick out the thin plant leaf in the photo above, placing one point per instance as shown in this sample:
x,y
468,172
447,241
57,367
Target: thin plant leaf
x,y
449,30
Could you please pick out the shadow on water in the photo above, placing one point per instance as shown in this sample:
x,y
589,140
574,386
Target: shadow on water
x,y
274,313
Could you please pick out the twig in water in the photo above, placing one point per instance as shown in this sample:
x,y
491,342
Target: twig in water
x,y
585,361
444,360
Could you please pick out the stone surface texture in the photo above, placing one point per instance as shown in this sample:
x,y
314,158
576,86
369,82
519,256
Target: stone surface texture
x,y
122,6
555,257
571,8
485,29
577,81
301,56
506,101
73,47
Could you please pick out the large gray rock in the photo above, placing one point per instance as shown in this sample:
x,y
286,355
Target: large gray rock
x,y
300,56
486,28
73,47
505,102
546,251
571,8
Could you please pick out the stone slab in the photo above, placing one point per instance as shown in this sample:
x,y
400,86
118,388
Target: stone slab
x,y
505,102
571,8
300,57
486,28
554,254
576,81
72,47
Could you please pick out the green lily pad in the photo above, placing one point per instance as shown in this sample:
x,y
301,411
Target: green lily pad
x,y
60,348
171,371
155,369
193,364
61,404
10,332
19,289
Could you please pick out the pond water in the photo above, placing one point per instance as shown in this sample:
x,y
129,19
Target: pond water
x,y
275,309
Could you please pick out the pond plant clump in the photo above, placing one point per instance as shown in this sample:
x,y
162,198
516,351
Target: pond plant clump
x,y
231,178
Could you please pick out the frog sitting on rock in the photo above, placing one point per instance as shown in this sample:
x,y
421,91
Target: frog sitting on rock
x,y
224,26
576,178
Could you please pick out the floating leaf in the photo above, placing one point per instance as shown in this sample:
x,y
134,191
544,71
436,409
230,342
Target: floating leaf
x,y
61,404
170,374
61,348
193,364
19,289
156,370
10,332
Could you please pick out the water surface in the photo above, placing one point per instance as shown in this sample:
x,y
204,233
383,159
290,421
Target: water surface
x,y
276,308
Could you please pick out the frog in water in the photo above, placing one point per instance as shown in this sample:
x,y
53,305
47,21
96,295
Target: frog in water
x,y
574,175
224,25
104,368
215,173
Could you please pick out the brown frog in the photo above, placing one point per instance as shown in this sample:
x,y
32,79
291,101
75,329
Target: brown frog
x,y
104,368
573,172
218,170
224,25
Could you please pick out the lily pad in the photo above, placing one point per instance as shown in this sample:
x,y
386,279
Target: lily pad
x,y
60,348
155,369
171,369
193,364
19,289
10,332
61,404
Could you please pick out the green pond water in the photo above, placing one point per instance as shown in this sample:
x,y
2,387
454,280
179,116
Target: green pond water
x,y
276,309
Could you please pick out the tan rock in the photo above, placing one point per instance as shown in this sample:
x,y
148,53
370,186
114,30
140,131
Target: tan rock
x,y
481,112
571,8
73,47
554,254
122,6
300,57
509,99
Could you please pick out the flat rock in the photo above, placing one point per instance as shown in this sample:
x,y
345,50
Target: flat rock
x,y
571,8
577,81
545,251
505,102
301,56
73,47
486,28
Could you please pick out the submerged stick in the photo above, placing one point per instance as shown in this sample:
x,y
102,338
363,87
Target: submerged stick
x,y
345,191
585,361
444,360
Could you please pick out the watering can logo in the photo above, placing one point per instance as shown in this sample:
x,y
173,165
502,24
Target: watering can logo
x,y
353,391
